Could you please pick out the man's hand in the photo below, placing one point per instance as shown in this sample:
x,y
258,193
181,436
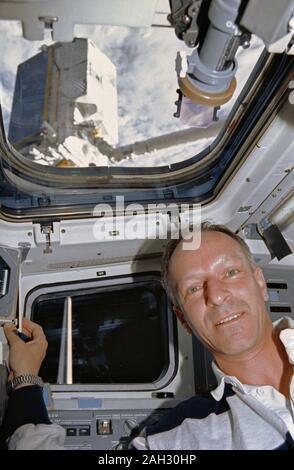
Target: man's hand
x,y
26,358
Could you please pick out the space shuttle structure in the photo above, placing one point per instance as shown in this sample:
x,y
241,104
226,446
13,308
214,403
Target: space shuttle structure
x,y
65,92
81,248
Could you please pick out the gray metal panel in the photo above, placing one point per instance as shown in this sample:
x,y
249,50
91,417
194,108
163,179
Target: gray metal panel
x,y
268,18
281,292
8,302
64,14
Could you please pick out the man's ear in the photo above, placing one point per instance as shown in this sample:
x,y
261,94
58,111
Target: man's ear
x,y
182,318
258,274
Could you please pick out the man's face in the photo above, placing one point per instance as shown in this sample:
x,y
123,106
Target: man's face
x,y
220,295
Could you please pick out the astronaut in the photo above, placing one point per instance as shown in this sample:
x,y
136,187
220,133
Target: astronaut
x,y
26,424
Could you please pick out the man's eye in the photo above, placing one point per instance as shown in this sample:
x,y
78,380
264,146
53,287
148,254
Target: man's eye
x,y
193,289
232,272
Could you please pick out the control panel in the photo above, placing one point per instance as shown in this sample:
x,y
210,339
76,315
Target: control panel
x,y
101,429
280,287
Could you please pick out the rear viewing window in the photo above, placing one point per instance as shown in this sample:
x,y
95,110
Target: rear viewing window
x,y
118,336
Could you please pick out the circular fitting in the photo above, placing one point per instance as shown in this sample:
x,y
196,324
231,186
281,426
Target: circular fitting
x,y
205,97
219,79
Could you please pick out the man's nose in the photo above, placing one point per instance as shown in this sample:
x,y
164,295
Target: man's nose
x,y
216,293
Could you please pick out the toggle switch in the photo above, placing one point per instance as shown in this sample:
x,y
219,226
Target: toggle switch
x,y
104,426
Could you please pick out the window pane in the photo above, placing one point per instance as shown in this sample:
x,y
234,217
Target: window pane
x,y
118,336
81,103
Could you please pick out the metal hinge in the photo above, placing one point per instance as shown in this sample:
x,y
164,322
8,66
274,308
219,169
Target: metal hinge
x,y
47,230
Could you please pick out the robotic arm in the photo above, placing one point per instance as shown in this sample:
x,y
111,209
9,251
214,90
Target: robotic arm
x,y
215,29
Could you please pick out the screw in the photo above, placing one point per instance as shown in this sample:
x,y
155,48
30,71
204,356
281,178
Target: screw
x,y
186,19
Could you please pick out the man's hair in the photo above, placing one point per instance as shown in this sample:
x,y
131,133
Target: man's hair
x,y
172,245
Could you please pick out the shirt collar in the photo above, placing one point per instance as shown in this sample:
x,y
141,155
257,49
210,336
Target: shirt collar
x,y
222,378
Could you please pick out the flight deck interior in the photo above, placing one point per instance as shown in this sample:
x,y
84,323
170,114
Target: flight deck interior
x,y
123,123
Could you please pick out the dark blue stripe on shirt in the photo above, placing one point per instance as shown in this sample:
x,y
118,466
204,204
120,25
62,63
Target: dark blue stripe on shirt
x,y
197,407
25,405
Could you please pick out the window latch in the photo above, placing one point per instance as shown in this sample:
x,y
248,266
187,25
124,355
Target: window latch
x,y
47,230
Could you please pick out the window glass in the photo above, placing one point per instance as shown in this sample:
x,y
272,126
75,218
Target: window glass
x,y
88,102
118,337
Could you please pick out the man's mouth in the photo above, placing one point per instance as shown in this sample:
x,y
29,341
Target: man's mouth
x,y
229,318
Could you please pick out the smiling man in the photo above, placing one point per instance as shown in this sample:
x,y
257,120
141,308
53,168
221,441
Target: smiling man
x,y
219,295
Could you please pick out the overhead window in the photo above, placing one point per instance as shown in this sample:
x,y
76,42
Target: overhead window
x,y
105,101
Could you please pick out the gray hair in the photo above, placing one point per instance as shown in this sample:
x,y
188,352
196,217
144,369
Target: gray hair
x,y
172,245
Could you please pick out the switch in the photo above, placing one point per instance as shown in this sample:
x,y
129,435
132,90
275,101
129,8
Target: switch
x,y
85,431
104,426
71,431
130,425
